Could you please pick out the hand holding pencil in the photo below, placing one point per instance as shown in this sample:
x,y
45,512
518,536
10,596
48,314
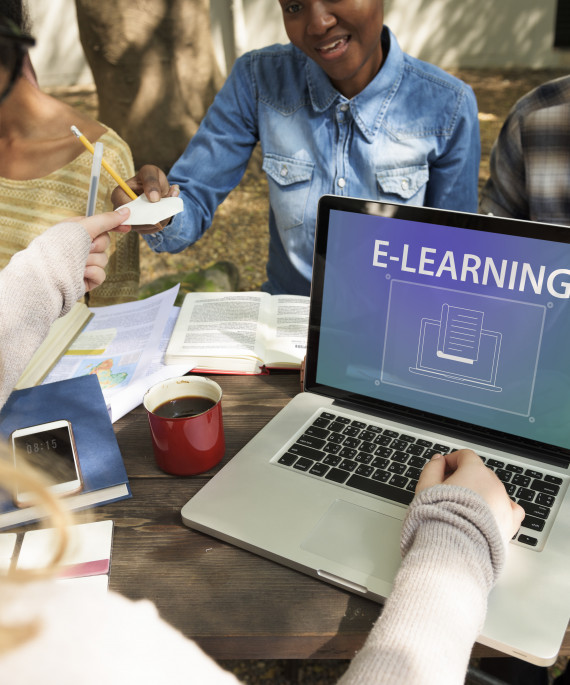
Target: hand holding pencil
x,y
149,180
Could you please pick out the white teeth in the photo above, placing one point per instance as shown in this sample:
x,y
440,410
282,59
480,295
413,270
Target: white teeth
x,y
334,45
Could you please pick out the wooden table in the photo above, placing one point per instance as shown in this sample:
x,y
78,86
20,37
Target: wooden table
x,y
235,604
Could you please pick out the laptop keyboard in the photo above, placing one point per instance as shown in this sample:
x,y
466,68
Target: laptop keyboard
x,y
386,463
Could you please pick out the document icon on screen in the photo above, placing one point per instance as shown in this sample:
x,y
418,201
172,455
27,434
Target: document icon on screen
x,y
460,332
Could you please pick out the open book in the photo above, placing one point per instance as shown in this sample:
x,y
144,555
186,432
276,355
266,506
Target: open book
x,y
62,333
240,332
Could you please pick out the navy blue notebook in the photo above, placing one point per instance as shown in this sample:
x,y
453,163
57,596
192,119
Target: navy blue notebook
x,y
80,401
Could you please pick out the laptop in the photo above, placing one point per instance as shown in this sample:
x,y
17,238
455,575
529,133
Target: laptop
x,y
429,330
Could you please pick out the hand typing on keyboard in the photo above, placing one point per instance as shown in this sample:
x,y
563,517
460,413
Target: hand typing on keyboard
x,y
466,469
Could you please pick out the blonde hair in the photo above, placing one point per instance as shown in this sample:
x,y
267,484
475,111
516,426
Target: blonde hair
x,y
24,477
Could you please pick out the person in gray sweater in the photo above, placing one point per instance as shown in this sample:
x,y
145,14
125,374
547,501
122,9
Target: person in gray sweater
x,y
454,539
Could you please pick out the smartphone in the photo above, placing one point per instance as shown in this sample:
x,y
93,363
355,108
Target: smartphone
x,y
50,448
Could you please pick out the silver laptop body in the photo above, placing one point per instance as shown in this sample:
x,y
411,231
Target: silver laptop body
x,y
427,328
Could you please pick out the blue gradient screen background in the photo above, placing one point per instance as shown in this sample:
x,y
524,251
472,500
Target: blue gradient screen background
x,y
380,326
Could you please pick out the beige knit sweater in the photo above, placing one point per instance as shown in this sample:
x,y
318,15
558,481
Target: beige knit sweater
x,y
30,207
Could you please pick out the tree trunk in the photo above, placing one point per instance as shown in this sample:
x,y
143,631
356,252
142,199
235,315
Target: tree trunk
x,y
154,68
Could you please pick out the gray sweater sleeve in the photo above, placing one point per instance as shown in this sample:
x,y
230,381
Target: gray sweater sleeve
x,y
452,553
38,285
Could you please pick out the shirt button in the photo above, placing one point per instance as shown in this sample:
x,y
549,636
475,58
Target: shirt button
x,y
284,170
405,184
343,107
341,182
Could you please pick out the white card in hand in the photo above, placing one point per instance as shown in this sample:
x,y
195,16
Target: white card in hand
x,y
145,212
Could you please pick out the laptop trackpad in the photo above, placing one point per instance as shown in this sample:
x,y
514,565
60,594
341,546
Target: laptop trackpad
x,y
359,538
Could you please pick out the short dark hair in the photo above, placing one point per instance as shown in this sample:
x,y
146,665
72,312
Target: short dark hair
x,y
17,12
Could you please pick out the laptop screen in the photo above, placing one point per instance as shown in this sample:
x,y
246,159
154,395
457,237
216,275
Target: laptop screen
x,y
455,316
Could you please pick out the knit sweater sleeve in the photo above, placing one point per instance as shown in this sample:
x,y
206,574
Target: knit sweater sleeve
x,y
38,285
452,554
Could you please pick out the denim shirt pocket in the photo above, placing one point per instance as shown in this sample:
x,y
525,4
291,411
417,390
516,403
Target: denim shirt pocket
x,y
403,183
289,184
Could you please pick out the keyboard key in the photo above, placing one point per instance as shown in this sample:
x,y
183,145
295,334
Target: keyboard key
x,y
331,461
382,440
418,462
381,475
311,441
347,465
413,473
533,509
546,488
390,434
358,424
407,438
428,454
336,438
367,435
423,443
398,444
506,476
367,447
528,540
442,449
375,487
553,479
347,453
287,459
521,480
363,470
496,463
309,452
533,474
380,463
321,422
396,468
530,522
352,431
316,432
332,448
338,476
318,470
363,458
526,494
327,415
343,420
399,481
351,442
336,426
374,429
514,468
400,457
303,464
546,500
383,451
412,485
415,449
510,488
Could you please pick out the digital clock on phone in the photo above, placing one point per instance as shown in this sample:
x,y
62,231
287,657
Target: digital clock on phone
x,y
50,448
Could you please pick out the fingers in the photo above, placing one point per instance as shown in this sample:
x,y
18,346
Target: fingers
x,y
101,243
154,182
94,273
433,473
102,223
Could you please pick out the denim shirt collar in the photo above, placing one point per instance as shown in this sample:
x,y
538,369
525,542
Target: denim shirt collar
x,y
369,106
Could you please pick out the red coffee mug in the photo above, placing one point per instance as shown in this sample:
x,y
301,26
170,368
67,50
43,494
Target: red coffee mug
x,y
186,445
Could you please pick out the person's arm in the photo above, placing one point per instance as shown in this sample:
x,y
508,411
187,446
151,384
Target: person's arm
x,y
454,176
43,282
212,165
504,193
453,542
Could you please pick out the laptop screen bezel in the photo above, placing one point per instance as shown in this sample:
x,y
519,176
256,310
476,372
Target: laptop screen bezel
x,y
479,222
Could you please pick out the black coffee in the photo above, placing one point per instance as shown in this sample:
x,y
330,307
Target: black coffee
x,y
182,407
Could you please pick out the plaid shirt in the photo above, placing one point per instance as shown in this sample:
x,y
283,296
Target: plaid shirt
x,y
530,160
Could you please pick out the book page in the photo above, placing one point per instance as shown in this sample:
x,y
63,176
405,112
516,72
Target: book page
x,y
286,339
217,325
120,345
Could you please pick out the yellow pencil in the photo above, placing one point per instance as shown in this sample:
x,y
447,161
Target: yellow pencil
x,y
129,191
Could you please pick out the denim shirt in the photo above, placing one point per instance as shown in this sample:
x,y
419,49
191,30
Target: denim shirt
x,y
411,136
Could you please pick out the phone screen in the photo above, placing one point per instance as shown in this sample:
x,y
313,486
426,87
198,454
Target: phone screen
x,y
51,451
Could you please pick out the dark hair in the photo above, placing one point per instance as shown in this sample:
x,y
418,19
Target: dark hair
x,y
17,12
